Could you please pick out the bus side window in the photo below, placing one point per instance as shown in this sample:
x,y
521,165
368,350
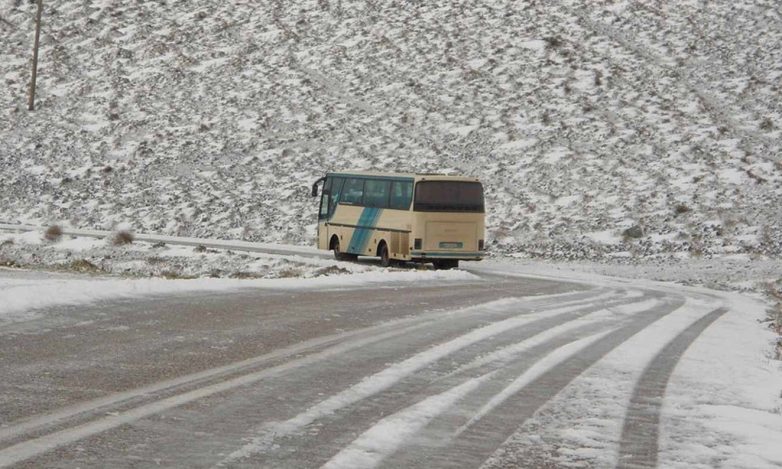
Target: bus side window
x,y
353,192
376,193
336,191
401,195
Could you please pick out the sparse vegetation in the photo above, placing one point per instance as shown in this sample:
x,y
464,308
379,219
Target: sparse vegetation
x,y
430,99
143,260
330,270
175,275
634,232
245,275
774,291
84,266
122,237
290,273
681,208
553,42
10,263
53,234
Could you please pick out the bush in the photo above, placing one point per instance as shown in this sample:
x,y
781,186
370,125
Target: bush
x,y
122,237
633,232
83,265
681,208
53,234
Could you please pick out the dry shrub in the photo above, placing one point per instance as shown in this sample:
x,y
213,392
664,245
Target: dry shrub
x,y
290,273
330,270
245,275
774,290
174,275
8,263
53,234
122,237
83,265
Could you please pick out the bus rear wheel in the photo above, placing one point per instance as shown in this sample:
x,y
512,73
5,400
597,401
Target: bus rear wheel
x,y
446,264
385,259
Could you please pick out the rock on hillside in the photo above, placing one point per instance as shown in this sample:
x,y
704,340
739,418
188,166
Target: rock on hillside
x,y
583,118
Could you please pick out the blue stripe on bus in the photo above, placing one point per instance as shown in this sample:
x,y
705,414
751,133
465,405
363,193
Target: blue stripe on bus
x,y
374,217
360,239
354,246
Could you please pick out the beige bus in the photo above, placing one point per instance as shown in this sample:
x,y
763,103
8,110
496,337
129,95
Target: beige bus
x,y
401,217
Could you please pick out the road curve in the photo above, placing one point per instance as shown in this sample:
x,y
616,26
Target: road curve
x,y
432,375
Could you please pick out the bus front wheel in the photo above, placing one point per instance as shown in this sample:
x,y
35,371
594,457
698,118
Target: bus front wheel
x,y
446,264
339,255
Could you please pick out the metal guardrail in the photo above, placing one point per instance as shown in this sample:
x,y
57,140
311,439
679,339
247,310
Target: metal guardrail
x,y
248,246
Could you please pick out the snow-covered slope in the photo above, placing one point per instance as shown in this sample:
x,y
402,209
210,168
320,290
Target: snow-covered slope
x,y
583,118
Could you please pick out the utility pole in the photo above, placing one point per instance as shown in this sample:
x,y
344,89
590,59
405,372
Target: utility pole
x,y
31,103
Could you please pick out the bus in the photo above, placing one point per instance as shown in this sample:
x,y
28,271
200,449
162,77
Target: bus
x,y
401,217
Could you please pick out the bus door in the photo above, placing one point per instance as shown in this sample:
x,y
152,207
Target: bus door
x,y
323,213
328,208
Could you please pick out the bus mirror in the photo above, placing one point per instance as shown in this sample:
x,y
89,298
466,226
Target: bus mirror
x,y
315,186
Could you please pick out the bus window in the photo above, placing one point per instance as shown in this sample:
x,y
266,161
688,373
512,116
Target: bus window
x,y
401,194
336,190
449,196
353,192
376,193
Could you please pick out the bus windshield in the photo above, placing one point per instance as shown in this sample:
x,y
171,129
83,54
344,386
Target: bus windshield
x,y
449,196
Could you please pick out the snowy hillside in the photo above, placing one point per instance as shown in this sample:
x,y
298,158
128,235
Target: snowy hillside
x,y
583,118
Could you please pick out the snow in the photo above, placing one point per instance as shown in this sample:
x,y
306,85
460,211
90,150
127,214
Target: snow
x,y
508,353
728,390
21,299
386,436
721,406
392,374
535,371
626,110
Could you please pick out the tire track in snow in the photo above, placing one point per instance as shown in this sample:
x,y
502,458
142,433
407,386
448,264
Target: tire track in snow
x,y
638,447
321,441
476,441
389,376
269,434
12,430
582,425
90,418
389,434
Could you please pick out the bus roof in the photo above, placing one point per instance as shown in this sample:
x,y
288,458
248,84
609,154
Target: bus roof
x,y
416,176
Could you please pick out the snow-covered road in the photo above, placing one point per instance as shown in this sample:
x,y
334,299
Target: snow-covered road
x,y
492,368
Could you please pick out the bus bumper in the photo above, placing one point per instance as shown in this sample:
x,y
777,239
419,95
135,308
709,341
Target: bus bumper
x,y
462,256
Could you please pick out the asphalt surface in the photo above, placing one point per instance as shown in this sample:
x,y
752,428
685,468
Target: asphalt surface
x,y
413,376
